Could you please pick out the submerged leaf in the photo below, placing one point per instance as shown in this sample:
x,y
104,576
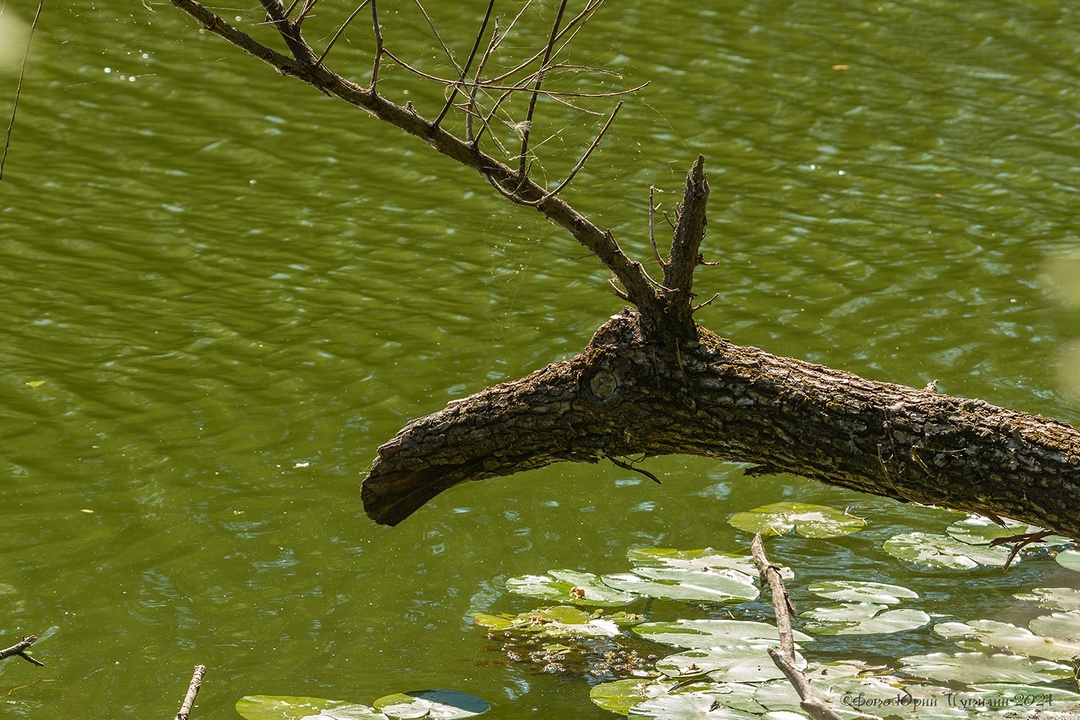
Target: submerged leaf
x,y
569,586
815,521
944,552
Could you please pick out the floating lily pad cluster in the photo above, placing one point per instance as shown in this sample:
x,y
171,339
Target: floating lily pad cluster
x,y
720,665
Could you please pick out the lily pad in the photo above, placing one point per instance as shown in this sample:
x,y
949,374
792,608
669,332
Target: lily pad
x,y
704,559
1069,559
1064,625
815,521
279,707
735,663
435,704
569,586
621,695
863,619
1054,598
1005,636
700,634
979,530
688,706
976,667
944,552
693,585
862,592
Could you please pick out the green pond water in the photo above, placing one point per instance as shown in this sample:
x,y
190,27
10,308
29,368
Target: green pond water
x,y
222,291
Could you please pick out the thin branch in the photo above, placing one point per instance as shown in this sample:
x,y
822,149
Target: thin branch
x,y
653,207
340,30
378,44
536,91
20,648
785,656
18,88
289,31
305,12
584,158
435,32
192,693
468,63
627,466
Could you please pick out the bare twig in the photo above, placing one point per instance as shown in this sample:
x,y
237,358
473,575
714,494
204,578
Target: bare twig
x,y
653,207
192,693
468,63
18,88
377,29
536,91
627,466
785,656
20,648
340,30
584,158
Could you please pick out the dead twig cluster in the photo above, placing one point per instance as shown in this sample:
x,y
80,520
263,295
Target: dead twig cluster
x,y
20,649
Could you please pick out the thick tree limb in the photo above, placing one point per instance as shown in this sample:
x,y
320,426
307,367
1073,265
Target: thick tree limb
x,y
623,396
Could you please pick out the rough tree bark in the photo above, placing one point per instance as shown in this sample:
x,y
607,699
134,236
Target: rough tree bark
x,y
653,382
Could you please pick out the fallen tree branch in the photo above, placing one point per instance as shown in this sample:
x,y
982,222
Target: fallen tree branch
x,y
785,656
192,693
20,649
652,382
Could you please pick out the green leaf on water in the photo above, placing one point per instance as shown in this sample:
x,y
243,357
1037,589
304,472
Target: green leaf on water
x,y
680,584
1069,559
1006,636
1057,598
863,619
941,551
434,704
688,706
284,707
705,559
569,586
1064,625
979,530
732,663
699,634
976,667
862,592
815,521
620,695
